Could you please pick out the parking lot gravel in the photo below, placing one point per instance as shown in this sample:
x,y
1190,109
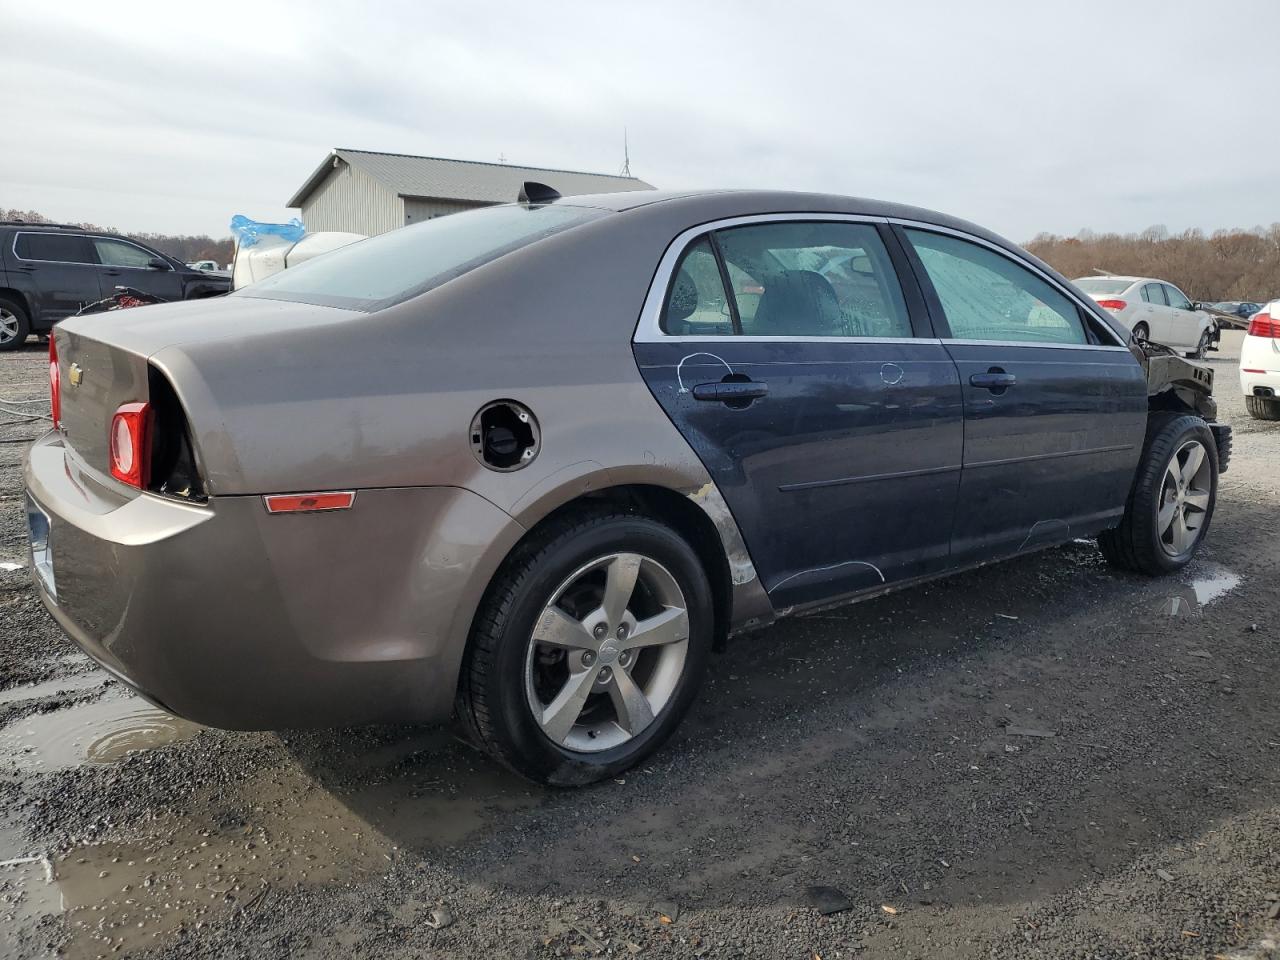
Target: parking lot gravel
x,y
1041,758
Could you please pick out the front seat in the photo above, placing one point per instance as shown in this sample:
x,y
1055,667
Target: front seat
x,y
798,303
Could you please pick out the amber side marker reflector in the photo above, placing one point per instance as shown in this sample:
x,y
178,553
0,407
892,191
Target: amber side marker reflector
x,y
309,502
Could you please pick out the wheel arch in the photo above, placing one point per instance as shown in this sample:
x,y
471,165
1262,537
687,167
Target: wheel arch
x,y
12,293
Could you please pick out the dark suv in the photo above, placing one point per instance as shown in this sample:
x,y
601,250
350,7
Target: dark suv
x,y
49,271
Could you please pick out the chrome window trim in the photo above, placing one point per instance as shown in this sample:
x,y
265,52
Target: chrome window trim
x,y
649,327
996,248
59,233
962,342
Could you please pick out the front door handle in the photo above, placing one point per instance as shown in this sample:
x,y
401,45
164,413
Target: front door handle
x,y
995,380
731,391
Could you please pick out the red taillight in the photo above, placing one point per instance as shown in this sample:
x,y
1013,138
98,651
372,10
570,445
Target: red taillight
x,y
55,383
131,444
1264,324
1112,304
309,502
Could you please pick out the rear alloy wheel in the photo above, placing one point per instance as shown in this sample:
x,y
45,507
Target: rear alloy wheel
x,y
604,658
14,326
1141,331
1263,408
588,648
1171,502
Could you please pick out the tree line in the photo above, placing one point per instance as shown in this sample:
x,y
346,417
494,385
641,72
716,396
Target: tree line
x,y
185,247
1223,265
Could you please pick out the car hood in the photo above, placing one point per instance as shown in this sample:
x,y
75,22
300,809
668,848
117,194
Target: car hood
x,y
145,331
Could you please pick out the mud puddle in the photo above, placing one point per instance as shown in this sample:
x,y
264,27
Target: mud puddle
x,y
1208,583
52,688
106,730
371,806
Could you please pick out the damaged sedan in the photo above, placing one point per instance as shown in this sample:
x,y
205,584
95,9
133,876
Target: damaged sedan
x,y
529,464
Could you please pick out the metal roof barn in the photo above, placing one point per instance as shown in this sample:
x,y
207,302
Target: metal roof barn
x,y
365,192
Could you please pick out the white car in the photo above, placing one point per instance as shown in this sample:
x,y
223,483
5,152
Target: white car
x,y
1154,310
1260,363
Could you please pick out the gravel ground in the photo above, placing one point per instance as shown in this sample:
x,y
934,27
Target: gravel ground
x,y
1036,759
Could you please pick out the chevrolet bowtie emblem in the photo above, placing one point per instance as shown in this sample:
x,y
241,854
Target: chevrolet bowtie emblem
x,y
77,374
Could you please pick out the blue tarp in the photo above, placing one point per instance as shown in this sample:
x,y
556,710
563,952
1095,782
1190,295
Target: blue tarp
x,y
248,231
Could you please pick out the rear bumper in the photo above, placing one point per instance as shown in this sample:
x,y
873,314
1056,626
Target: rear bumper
x,y
1260,354
235,618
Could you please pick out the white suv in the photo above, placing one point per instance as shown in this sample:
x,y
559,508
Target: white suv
x,y
1260,363
1154,310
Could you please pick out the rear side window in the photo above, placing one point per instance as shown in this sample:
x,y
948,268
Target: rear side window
x,y
789,279
117,253
1154,293
696,303
987,296
55,247
395,266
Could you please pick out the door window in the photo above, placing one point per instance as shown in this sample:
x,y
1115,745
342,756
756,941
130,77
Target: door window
x,y
53,247
1154,293
117,253
987,296
797,279
1176,298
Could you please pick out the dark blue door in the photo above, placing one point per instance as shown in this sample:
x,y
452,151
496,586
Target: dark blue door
x,y
788,358
1055,409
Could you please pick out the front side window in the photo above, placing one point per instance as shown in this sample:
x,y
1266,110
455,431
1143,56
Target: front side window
x,y
53,247
790,279
117,253
391,268
987,296
1176,298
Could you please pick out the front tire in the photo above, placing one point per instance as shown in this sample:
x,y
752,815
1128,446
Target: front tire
x,y
588,648
1262,408
1171,502
14,325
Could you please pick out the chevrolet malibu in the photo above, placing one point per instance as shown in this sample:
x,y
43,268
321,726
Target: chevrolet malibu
x,y
531,463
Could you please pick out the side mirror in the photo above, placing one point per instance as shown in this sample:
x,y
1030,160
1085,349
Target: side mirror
x,y
1197,305
155,263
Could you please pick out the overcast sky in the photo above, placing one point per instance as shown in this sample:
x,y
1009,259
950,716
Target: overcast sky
x,y
1024,116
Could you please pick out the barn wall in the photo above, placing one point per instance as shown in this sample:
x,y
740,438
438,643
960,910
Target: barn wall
x,y
349,199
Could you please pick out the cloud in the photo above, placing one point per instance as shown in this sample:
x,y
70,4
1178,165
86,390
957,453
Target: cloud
x,y
1024,117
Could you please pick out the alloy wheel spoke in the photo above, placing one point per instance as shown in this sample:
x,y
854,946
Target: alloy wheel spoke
x,y
669,626
559,716
556,628
1181,535
620,584
1195,457
1198,499
630,702
1167,514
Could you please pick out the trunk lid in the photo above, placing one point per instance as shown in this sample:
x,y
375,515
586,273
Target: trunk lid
x,y
103,358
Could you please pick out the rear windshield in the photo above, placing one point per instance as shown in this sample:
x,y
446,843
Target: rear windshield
x,y
1102,285
387,269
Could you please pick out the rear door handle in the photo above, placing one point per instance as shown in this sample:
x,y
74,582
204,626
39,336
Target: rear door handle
x,y
733,390
995,380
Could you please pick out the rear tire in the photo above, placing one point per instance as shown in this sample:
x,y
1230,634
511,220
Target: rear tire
x,y
1171,503
1262,408
545,641
14,325
1141,331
